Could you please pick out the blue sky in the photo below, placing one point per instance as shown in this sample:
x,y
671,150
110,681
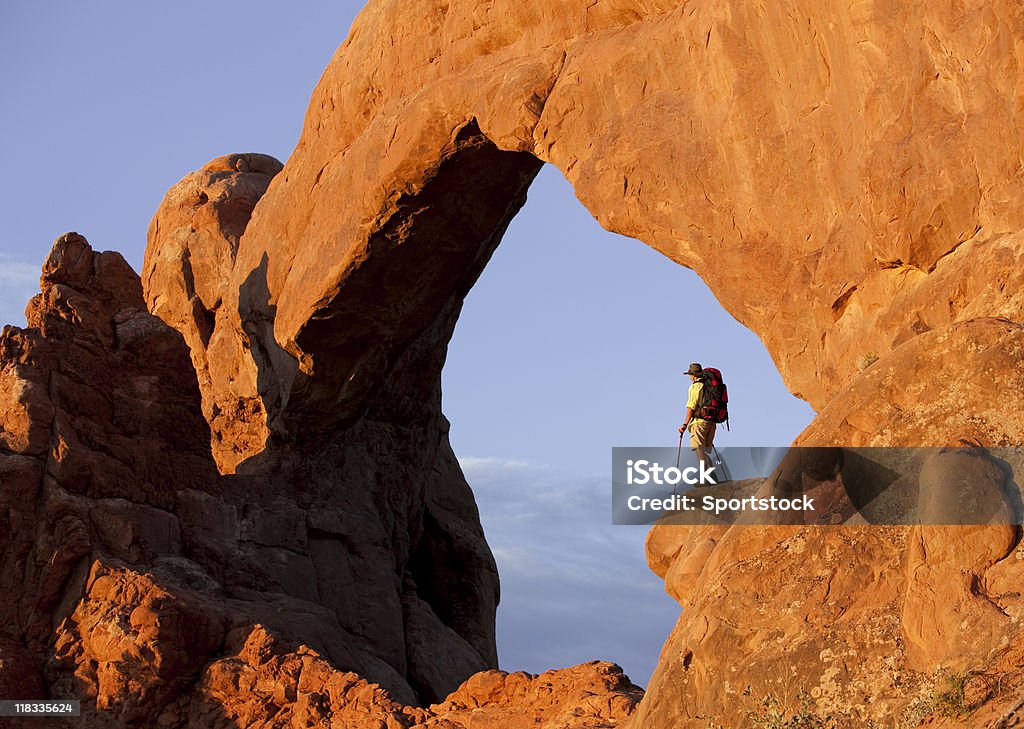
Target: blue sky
x,y
572,342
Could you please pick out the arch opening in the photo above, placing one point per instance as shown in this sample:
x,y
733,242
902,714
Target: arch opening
x,y
373,354
353,400
541,382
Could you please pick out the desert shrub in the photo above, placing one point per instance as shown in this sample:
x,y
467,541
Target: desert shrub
x,y
946,699
867,360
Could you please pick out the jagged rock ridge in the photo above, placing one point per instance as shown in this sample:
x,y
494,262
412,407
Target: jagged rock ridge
x,y
161,593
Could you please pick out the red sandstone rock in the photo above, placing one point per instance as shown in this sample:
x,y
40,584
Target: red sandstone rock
x,y
862,145
869,148
128,560
194,237
265,684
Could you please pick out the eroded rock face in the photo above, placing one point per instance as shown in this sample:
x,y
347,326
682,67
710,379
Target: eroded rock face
x,y
868,620
263,682
864,146
842,178
195,234
846,180
100,437
129,562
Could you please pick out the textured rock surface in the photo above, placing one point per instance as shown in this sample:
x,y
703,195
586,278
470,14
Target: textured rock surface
x,y
100,438
265,684
376,522
129,562
199,224
863,144
867,620
869,148
866,146
861,622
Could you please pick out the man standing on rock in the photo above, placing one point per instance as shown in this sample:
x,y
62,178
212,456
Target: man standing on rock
x,y
702,432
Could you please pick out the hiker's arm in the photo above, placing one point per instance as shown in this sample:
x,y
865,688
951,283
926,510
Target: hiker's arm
x,y
689,417
692,398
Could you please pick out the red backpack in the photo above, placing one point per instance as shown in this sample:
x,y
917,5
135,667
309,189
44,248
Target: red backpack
x,y
714,398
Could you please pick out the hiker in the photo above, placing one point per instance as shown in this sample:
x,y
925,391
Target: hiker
x,y
705,409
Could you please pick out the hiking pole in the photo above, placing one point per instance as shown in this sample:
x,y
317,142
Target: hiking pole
x,y
679,452
721,462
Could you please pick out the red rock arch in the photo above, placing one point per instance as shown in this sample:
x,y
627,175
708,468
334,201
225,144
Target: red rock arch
x,y
838,175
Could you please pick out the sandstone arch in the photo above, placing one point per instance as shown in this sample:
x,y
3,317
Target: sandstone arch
x,y
793,132
696,127
836,174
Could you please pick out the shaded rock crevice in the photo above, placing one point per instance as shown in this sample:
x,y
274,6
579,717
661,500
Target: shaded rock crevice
x,y
419,263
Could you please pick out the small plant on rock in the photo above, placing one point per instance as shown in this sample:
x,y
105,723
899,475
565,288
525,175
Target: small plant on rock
x,y
768,712
867,360
949,699
946,699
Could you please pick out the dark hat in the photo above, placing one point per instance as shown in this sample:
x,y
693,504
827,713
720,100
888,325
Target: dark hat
x,y
695,369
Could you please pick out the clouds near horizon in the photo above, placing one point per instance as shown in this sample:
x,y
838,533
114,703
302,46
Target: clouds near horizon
x,y
574,587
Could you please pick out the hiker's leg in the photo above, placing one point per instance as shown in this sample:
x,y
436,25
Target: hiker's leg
x,y
700,440
695,443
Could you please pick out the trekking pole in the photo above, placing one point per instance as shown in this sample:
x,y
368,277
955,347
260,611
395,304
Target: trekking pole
x,y
679,451
721,463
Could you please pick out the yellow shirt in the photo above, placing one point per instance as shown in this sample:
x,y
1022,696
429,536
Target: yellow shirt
x,y
693,397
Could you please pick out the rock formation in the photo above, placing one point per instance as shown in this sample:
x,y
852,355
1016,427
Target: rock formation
x,y
863,145
199,223
844,177
161,593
